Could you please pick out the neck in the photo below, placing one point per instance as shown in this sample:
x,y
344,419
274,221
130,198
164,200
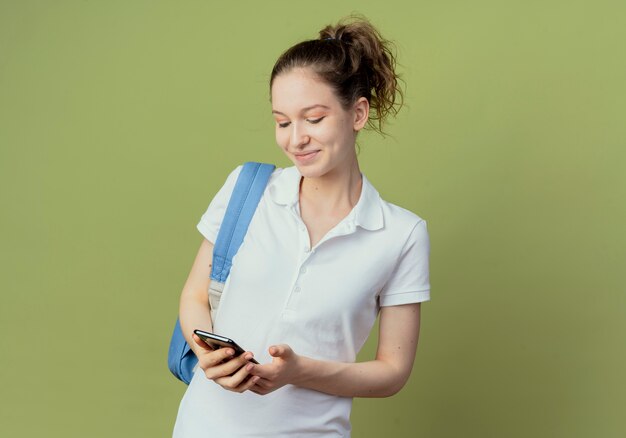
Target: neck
x,y
337,191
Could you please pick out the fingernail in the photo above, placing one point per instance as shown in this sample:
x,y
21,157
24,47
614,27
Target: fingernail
x,y
248,356
230,352
249,367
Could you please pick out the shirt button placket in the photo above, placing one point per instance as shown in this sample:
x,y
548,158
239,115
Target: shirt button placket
x,y
296,291
305,237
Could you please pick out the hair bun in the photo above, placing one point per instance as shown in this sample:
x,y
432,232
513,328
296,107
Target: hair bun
x,y
362,65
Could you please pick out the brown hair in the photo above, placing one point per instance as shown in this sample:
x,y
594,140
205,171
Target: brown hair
x,y
355,60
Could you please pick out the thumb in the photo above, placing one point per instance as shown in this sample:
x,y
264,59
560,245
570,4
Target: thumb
x,y
282,350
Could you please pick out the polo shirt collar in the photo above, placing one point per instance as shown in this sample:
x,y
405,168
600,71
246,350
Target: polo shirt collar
x,y
367,213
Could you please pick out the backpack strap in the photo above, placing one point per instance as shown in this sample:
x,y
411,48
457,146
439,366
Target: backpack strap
x,y
243,202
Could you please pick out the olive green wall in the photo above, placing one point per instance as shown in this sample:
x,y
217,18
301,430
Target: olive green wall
x,y
120,119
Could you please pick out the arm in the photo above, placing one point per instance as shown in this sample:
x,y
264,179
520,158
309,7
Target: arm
x,y
382,377
194,299
218,365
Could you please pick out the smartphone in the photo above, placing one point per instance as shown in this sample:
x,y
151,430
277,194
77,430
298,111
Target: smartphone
x,y
217,341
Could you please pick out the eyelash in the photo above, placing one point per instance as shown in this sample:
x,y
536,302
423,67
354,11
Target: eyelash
x,y
284,125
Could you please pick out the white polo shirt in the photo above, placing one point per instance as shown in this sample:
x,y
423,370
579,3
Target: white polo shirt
x,y
322,301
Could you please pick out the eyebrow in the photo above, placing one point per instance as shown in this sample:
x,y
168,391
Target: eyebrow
x,y
304,109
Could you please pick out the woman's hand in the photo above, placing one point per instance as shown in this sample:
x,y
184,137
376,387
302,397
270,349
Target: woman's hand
x,y
283,370
229,372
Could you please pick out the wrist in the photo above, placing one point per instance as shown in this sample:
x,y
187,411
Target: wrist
x,y
303,366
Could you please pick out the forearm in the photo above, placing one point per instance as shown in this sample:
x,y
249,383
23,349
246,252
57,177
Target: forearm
x,y
194,310
381,377
376,378
194,314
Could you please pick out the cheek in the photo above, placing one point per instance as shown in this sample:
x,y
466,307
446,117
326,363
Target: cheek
x,y
281,138
331,137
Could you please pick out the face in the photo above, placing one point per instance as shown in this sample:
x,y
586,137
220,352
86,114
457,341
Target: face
x,y
312,128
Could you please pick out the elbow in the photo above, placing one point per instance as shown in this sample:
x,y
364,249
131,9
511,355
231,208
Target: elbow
x,y
193,297
393,389
395,384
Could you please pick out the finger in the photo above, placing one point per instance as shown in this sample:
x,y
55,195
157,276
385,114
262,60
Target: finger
x,y
263,371
198,340
215,357
263,383
238,382
248,384
261,389
224,368
229,367
232,381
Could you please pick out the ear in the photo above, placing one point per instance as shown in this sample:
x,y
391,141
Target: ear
x,y
361,112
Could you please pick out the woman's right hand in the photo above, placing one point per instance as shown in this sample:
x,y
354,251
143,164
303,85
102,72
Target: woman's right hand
x,y
229,372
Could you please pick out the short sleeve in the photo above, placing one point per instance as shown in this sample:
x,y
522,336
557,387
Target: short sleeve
x,y
409,282
211,220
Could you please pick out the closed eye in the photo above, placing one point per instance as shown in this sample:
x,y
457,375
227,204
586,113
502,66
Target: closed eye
x,y
284,125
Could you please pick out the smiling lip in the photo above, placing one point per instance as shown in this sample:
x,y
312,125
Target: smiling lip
x,y
303,157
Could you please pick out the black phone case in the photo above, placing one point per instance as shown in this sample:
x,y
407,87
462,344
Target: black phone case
x,y
217,341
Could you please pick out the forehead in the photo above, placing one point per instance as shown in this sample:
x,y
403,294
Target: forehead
x,y
299,89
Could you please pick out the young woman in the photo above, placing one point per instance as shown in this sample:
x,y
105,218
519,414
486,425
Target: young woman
x,y
323,256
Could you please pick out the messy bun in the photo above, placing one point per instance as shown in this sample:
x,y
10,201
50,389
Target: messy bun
x,y
356,61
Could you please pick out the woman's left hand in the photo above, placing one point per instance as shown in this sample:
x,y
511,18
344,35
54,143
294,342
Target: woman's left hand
x,y
282,371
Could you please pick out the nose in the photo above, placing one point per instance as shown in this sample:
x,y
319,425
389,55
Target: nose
x,y
299,136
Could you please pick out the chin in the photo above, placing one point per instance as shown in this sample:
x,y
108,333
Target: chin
x,y
310,171
315,168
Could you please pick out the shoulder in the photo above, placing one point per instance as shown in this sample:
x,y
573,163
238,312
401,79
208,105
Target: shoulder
x,y
397,215
283,185
405,226
212,218
398,219
273,177
276,175
408,278
234,174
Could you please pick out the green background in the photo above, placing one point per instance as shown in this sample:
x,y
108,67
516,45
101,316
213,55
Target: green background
x,y
119,120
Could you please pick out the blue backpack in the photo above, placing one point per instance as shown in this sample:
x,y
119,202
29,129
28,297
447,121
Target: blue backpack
x,y
243,202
